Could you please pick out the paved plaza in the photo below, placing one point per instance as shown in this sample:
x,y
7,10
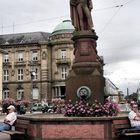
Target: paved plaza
x,y
4,136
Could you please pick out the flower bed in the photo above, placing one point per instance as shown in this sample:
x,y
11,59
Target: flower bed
x,y
84,109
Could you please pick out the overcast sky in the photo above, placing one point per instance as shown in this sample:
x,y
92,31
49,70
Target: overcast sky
x,y
116,22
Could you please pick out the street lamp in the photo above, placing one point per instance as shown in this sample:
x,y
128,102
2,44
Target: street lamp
x,y
32,73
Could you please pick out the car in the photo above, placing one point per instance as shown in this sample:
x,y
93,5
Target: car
x,y
22,109
48,108
124,107
37,107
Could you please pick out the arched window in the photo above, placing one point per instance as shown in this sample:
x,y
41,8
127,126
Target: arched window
x,y
20,93
5,93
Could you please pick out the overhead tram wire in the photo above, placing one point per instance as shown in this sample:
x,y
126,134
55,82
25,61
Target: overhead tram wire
x,y
109,21
117,6
48,19
107,8
128,2
42,20
32,22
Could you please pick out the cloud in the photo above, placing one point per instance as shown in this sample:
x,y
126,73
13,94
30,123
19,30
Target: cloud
x,y
119,40
124,74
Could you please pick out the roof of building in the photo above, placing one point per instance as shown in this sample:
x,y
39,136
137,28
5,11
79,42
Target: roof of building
x,y
63,27
23,38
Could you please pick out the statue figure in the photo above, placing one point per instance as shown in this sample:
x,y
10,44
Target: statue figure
x,y
80,11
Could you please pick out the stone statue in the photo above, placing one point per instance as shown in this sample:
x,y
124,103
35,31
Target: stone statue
x,y
80,11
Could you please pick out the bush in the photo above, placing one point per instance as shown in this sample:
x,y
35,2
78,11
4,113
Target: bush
x,y
59,105
6,102
111,108
84,109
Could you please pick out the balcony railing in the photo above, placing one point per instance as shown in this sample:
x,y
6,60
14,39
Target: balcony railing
x,y
60,61
7,63
20,63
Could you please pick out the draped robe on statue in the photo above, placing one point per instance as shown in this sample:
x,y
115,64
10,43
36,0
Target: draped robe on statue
x,y
80,11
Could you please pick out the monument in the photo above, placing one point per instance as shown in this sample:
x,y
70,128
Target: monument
x,y
85,80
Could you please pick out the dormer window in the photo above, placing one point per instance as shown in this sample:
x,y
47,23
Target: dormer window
x,y
20,94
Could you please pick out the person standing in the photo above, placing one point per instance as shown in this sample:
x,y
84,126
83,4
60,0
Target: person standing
x,y
9,119
18,108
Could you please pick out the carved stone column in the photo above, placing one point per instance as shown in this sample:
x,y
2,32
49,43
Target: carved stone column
x,y
86,79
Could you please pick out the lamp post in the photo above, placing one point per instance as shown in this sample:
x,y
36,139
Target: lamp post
x,y
138,93
32,73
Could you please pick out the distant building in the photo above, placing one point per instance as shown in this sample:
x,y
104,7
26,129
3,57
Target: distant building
x,y
138,92
111,91
62,57
2,52
49,55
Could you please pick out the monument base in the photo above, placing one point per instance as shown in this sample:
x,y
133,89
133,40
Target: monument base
x,y
58,127
85,81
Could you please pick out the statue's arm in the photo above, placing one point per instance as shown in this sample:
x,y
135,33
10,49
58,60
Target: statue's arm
x,y
73,2
90,4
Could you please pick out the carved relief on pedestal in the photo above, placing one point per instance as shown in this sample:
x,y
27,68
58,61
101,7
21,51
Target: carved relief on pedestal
x,y
84,49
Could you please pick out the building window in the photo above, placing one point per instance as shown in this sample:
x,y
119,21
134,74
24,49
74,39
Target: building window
x,y
36,74
5,75
58,92
6,58
6,94
34,56
20,56
20,74
35,94
20,94
63,54
64,72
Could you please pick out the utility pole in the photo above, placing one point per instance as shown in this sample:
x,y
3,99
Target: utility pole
x,y
32,72
128,94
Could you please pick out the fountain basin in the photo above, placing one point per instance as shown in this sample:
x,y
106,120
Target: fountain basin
x,y
58,127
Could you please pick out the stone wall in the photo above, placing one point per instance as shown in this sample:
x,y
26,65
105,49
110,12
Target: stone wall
x,y
55,127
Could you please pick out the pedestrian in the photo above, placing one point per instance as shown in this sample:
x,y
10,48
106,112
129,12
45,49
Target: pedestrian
x,y
134,116
18,108
9,119
22,109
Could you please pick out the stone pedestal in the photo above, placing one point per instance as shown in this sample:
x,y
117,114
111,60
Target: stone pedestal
x,y
85,80
85,46
58,127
